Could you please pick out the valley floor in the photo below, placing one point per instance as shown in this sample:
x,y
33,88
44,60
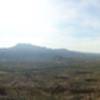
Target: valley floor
x,y
53,82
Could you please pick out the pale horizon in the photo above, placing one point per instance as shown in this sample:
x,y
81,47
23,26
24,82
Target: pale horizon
x,y
69,24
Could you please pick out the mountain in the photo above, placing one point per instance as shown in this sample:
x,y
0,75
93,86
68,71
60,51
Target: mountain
x,y
28,52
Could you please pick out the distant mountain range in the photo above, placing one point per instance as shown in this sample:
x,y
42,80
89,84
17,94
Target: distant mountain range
x,y
28,52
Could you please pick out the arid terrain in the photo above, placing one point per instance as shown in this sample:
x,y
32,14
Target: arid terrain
x,y
61,78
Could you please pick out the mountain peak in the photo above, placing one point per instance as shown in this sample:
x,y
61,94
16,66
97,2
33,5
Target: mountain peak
x,y
23,45
27,46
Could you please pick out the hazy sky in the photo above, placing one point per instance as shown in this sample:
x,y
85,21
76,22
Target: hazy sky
x,y
71,24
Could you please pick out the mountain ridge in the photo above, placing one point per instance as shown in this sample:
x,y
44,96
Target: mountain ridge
x,y
29,52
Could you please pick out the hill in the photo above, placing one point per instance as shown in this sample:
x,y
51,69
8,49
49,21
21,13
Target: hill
x,y
28,52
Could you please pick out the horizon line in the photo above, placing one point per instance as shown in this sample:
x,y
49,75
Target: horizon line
x,y
57,48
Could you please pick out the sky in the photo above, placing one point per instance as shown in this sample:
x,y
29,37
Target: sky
x,y
70,24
